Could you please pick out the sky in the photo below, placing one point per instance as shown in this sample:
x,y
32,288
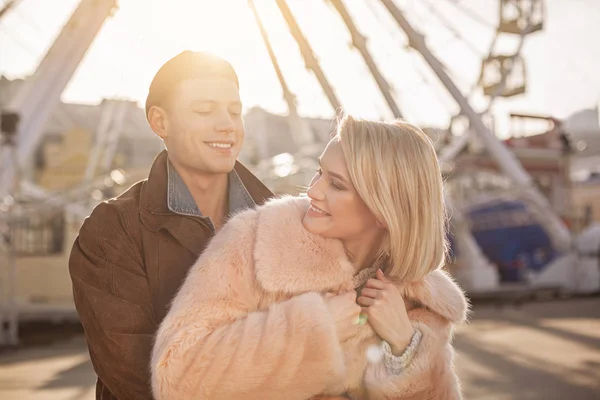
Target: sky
x,y
563,60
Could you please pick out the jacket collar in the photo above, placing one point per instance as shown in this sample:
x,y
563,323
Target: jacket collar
x,y
164,194
310,262
180,200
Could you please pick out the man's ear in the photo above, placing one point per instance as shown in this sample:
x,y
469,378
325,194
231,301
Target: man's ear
x,y
158,120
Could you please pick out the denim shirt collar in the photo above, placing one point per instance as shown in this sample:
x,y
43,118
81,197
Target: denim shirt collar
x,y
180,200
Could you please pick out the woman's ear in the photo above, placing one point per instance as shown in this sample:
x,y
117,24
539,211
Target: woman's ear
x,y
157,118
381,225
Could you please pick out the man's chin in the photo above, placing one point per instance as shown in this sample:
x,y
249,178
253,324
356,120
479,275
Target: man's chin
x,y
221,167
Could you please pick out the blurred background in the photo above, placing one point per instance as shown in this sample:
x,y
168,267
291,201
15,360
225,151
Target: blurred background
x,y
508,90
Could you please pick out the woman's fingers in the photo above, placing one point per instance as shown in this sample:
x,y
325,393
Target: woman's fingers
x,y
365,301
375,284
372,293
381,276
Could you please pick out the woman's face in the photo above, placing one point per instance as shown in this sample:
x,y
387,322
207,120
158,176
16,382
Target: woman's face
x,y
336,210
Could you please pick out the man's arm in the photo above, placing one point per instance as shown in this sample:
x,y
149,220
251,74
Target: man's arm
x,y
113,300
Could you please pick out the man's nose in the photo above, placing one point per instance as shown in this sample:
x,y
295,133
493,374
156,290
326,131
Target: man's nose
x,y
224,122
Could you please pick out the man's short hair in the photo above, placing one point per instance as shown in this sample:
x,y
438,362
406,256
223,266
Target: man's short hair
x,y
184,66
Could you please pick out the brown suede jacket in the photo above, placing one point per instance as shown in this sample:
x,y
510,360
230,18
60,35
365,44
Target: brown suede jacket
x,y
129,260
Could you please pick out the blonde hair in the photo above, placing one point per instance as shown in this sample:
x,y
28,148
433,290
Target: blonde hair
x,y
395,170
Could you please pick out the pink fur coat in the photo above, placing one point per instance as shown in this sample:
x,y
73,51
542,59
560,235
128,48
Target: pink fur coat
x,y
250,321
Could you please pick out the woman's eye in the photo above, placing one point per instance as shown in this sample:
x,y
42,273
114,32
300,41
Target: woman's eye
x,y
336,186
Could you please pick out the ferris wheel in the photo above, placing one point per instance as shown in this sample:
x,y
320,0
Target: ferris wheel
x,y
489,43
501,73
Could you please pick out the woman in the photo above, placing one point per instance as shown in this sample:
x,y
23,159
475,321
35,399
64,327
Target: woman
x,y
270,311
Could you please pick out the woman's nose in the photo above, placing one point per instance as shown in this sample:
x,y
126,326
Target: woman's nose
x,y
314,191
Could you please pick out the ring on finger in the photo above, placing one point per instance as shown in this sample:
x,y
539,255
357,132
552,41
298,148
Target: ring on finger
x,y
362,319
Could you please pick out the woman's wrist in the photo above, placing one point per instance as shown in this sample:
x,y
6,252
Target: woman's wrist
x,y
399,345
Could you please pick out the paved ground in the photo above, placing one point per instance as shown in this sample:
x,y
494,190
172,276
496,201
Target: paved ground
x,y
547,351
541,351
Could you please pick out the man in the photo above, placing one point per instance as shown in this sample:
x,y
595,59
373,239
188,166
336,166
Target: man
x,y
134,251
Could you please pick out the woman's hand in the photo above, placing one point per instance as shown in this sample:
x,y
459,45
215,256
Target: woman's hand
x,y
386,312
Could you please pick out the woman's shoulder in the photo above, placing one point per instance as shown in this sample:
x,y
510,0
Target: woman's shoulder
x,y
291,259
439,293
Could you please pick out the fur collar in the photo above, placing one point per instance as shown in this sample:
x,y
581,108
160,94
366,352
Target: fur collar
x,y
292,260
